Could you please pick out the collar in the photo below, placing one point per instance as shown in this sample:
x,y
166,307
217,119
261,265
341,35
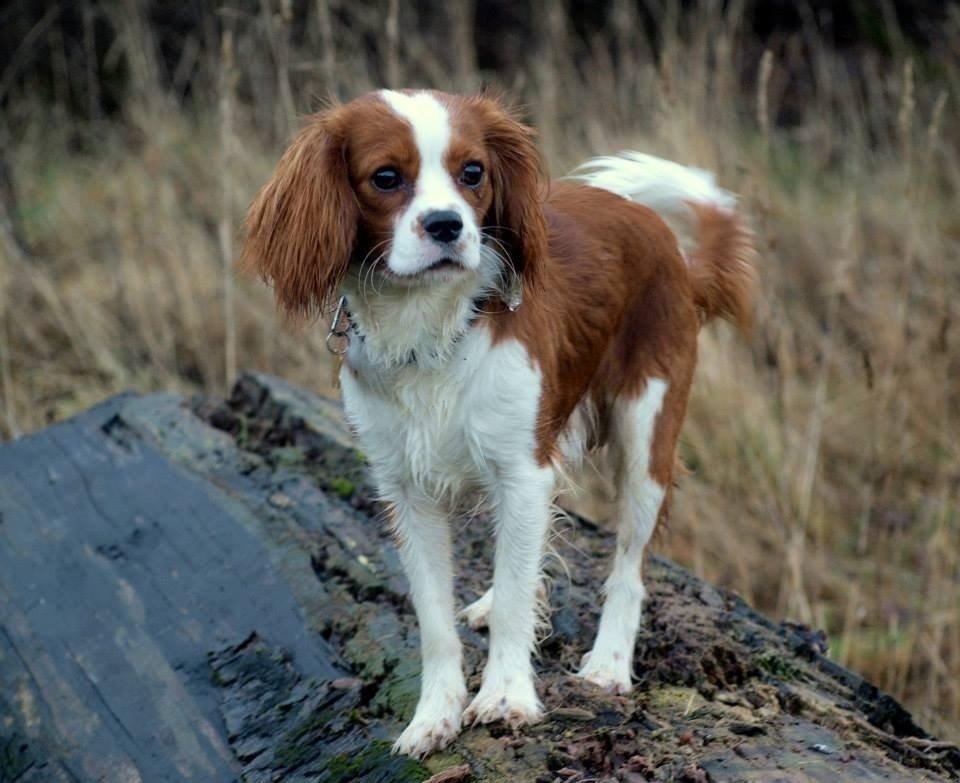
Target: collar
x,y
342,327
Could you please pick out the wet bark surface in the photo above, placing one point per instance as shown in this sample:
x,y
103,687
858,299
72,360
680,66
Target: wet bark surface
x,y
203,590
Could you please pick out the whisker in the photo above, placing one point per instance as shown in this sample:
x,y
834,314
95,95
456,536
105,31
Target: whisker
x,y
499,243
501,228
496,240
363,277
369,278
502,284
373,249
506,264
382,257
370,252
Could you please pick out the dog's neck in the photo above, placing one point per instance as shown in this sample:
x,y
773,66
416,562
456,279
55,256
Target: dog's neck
x,y
398,326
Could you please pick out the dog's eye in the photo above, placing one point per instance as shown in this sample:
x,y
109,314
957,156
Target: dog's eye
x,y
386,179
472,175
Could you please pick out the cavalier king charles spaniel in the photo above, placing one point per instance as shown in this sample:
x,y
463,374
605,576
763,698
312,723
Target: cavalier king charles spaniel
x,y
495,329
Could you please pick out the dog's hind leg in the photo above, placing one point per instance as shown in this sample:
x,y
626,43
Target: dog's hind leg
x,y
644,431
477,614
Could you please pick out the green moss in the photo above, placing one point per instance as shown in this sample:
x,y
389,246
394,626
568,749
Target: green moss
x,y
375,764
301,743
399,692
243,435
776,665
343,487
675,699
292,756
287,456
443,760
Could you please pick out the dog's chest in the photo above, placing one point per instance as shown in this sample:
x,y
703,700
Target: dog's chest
x,y
449,429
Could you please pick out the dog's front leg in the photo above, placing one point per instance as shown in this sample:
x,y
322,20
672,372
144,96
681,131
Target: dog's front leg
x,y
522,508
423,537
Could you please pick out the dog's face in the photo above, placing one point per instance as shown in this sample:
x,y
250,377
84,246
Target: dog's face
x,y
420,188
424,187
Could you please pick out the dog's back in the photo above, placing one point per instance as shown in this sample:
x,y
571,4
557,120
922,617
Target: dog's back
x,y
627,291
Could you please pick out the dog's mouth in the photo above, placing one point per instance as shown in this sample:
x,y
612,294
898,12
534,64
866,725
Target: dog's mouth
x,y
443,265
441,269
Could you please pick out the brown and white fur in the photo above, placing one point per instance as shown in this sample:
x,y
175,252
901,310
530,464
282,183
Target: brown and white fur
x,y
453,393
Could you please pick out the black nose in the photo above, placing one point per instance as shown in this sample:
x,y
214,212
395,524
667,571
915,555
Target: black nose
x,y
443,225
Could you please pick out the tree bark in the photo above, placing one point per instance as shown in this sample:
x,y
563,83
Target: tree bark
x,y
202,590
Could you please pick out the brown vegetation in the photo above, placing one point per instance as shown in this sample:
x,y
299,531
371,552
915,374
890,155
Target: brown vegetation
x,y
825,453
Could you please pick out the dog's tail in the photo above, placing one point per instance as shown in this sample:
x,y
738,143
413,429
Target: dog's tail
x,y
717,245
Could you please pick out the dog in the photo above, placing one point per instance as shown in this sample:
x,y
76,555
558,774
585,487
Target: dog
x,y
495,329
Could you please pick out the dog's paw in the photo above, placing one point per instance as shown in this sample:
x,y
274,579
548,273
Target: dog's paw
x,y
423,737
610,673
434,726
512,700
477,614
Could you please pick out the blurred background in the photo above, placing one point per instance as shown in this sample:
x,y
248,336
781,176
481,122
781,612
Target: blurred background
x,y
824,452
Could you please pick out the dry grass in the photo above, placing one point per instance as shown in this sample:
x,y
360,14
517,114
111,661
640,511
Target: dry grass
x,y
825,454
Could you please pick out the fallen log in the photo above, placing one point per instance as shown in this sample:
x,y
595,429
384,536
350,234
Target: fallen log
x,y
202,590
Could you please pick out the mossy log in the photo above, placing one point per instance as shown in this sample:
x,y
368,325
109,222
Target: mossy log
x,y
203,591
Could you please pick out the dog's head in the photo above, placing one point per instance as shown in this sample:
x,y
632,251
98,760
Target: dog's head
x,y
418,187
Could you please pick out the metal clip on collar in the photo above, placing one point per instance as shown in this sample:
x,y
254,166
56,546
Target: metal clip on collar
x,y
338,338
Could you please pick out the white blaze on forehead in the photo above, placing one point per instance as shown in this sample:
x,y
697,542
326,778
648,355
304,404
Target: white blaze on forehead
x,y
431,127
435,188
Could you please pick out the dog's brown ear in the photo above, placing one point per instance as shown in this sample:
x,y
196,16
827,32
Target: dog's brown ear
x,y
302,226
519,181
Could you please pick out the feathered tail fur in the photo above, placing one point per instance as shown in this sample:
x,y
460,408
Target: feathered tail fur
x,y
716,243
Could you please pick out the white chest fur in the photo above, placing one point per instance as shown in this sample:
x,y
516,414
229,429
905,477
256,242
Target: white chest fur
x,y
440,431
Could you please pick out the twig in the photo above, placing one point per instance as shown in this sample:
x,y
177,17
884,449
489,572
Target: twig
x,y
279,48
452,775
325,23
393,44
228,80
6,379
90,61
